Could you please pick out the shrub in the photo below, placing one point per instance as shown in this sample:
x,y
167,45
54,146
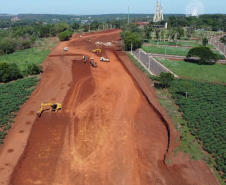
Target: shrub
x,y
33,69
63,36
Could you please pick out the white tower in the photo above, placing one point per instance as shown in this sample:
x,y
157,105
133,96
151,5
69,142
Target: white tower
x,y
161,14
156,16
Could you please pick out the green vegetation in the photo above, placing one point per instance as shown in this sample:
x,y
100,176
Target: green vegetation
x,y
133,37
204,41
9,72
63,36
210,73
223,40
12,96
23,58
205,55
204,112
179,43
166,50
200,117
189,144
166,79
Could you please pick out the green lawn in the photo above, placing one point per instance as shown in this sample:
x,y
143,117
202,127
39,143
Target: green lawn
x,y
37,54
210,73
169,50
33,55
179,43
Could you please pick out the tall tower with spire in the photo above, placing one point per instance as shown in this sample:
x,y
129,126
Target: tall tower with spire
x,y
158,15
161,14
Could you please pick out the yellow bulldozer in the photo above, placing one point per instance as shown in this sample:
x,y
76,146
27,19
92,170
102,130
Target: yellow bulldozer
x,y
47,106
96,51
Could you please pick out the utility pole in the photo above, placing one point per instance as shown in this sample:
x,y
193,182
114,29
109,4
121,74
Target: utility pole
x,y
128,15
131,47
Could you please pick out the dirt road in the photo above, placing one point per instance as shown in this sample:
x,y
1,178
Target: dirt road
x,y
106,133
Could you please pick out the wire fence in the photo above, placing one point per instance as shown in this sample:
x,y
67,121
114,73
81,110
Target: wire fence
x,y
220,46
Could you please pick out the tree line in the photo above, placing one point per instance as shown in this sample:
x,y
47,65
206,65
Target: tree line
x,y
11,71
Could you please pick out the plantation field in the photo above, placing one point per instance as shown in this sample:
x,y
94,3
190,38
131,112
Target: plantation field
x,y
22,58
210,73
12,96
204,111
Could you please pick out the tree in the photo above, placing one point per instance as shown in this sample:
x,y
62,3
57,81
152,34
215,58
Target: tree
x,y
206,56
44,31
63,36
94,25
75,26
180,32
33,69
129,38
14,71
166,79
187,86
8,45
204,41
9,71
4,72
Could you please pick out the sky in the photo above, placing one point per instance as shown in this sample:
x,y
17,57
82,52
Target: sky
x,y
89,7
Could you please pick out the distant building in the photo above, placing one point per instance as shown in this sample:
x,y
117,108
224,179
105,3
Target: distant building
x,y
14,19
141,24
158,15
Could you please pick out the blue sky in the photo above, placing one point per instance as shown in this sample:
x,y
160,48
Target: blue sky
x,y
103,6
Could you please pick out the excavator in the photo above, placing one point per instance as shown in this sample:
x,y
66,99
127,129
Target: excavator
x,y
96,51
52,106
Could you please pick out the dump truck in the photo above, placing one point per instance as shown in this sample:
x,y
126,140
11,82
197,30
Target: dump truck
x,y
104,59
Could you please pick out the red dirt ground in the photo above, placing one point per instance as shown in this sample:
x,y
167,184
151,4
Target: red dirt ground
x,y
106,133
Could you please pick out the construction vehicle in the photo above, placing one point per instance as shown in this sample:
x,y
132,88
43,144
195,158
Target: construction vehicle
x,y
85,58
47,106
96,51
104,59
93,63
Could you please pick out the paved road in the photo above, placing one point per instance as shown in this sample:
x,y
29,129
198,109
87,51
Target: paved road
x,y
154,66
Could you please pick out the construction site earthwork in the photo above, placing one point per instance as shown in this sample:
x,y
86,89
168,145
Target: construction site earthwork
x,y
110,130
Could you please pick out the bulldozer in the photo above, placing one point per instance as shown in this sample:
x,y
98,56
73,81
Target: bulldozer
x,y
47,106
96,51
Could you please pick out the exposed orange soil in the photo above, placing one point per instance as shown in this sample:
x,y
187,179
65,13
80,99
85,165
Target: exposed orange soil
x,y
106,133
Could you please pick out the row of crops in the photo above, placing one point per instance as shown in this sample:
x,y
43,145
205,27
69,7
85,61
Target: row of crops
x,y
205,112
12,96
